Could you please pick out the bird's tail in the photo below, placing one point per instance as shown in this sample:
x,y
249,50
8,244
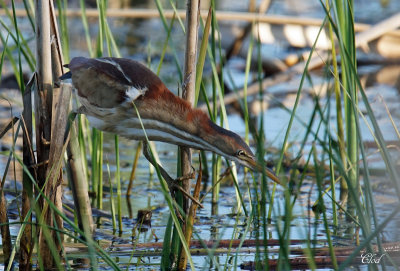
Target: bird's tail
x,y
66,75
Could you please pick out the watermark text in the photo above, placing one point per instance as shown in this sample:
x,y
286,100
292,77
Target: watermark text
x,y
371,258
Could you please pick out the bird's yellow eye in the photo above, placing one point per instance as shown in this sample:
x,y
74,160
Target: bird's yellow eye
x,y
240,153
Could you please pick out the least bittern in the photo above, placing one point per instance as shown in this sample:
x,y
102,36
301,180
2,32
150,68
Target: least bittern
x,y
109,89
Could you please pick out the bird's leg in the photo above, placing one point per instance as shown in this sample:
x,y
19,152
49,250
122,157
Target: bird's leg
x,y
172,183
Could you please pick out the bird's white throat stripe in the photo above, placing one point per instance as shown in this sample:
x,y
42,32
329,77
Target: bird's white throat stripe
x,y
156,135
155,131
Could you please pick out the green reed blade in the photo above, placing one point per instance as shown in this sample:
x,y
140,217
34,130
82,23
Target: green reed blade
x,y
62,8
202,56
86,27
118,180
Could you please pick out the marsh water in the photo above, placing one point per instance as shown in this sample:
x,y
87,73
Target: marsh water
x,y
143,40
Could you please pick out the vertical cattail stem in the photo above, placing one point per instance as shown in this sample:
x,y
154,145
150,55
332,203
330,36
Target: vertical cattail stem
x,y
4,228
26,243
190,221
78,179
188,93
43,111
192,22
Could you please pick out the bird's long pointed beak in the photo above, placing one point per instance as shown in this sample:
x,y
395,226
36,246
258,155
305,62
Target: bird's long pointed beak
x,y
270,173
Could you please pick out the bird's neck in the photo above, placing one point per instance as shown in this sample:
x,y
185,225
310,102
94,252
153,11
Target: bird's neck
x,y
160,109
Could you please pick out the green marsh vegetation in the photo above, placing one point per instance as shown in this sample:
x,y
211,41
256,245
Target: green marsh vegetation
x,y
262,215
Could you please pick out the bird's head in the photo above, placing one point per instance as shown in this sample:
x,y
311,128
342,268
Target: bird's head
x,y
232,146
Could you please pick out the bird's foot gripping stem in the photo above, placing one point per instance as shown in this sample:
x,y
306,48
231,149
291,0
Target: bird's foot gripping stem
x,y
173,184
